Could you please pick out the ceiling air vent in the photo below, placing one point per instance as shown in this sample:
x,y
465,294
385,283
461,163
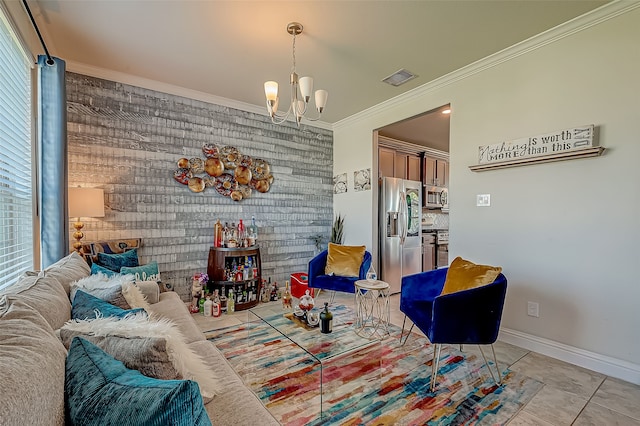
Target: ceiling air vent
x,y
399,77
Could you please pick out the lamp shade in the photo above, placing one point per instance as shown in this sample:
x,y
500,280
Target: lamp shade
x,y
86,202
271,90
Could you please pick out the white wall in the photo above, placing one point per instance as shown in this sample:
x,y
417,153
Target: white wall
x,y
566,233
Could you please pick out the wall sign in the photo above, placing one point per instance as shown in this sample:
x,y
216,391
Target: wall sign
x,y
560,145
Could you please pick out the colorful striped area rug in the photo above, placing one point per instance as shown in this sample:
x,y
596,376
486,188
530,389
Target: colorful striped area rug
x,y
385,383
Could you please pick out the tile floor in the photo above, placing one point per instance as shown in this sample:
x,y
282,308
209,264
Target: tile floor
x,y
571,395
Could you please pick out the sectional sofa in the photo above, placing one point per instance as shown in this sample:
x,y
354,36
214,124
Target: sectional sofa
x,y
35,310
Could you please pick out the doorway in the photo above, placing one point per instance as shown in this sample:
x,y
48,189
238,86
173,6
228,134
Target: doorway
x,y
420,141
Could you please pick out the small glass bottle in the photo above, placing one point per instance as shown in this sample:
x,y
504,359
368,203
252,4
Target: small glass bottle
x,y
218,237
223,303
241,234
215,306
201,303
207,307
371,274
231,302
286,297
326,320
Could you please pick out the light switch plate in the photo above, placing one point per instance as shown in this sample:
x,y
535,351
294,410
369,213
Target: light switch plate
x,y
483,200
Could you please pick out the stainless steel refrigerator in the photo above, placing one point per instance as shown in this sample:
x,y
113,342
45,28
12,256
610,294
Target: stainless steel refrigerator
x,y
400,230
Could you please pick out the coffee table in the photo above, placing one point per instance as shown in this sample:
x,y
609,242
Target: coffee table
x,y
323,349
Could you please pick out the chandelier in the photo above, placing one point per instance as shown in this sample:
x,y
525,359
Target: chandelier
x,y
303,85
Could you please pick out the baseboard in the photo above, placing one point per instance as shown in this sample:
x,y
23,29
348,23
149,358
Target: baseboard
x,y
604,364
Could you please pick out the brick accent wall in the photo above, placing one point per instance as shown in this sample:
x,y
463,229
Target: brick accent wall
x,y
127,140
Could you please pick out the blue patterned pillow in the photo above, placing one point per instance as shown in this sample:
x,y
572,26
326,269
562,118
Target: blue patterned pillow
x,y
86,306
148,272
99,390
118,260
97,269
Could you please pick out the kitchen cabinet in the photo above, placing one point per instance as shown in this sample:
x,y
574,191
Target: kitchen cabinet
x,y
436,172
413,167
392,163
386,162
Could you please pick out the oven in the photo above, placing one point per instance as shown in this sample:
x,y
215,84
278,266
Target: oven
x,y
442,248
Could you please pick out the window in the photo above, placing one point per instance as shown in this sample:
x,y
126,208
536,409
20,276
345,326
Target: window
x,y
16,208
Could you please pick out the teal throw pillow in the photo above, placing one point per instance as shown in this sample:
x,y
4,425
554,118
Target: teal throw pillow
x,y
99,390
97,269
148,272
86,306
117,260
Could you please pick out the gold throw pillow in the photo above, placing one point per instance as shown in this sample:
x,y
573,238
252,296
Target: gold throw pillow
x,y
465,275
344,261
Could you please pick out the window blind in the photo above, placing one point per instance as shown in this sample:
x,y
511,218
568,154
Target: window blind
x,y
16,208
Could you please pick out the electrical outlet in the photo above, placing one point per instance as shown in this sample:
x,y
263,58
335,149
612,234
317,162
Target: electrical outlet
x,y
483,200
533,309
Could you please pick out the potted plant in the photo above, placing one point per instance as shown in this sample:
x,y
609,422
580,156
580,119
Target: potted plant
x,y
337,230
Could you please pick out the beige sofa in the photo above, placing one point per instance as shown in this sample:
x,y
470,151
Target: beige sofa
x,y
33,358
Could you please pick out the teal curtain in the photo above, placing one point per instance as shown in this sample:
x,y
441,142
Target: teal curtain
x,y
52,161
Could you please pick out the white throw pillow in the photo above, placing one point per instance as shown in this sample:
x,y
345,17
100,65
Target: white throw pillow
x,y
189,364
107,288
134,297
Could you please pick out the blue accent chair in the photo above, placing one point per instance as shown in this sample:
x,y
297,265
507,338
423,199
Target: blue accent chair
x,y
466,317
318,279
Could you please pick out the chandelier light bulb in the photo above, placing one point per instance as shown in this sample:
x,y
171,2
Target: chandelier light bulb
x,y
321,99
306,88
271,90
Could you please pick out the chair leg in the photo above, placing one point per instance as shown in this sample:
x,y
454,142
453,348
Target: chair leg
x,y
434,364
495,360
402,331
332,298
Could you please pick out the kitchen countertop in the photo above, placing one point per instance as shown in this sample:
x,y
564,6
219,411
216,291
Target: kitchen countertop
x,y
429,229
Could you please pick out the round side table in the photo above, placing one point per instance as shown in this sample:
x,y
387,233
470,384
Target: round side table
x,y
372,309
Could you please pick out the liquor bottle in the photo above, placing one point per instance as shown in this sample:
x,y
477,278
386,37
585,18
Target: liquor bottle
x,y
253,232
225,234
326,320
245,269
223,303
241,234
265,291
215,306
233,236
201,303
207,307
286,297
217,234
231,302
249,267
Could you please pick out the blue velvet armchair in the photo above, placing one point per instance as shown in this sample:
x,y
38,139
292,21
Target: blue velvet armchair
x,y
465,317
318,279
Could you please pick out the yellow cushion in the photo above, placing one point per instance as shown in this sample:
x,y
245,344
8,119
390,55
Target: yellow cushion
x,y
344,261
465,275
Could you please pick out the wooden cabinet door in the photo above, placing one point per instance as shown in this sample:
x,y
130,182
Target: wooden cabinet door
x,y
386,162
413,167
445,177
401,165
441,173
429,171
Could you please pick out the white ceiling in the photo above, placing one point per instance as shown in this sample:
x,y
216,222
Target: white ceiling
x,y
229,48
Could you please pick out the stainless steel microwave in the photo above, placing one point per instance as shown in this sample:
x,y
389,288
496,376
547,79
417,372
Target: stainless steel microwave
x,y
436,197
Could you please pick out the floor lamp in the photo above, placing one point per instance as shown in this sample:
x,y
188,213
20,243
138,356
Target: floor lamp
x,y
84,202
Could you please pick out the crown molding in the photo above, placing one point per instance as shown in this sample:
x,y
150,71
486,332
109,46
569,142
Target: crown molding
x,y
580,23
145,83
